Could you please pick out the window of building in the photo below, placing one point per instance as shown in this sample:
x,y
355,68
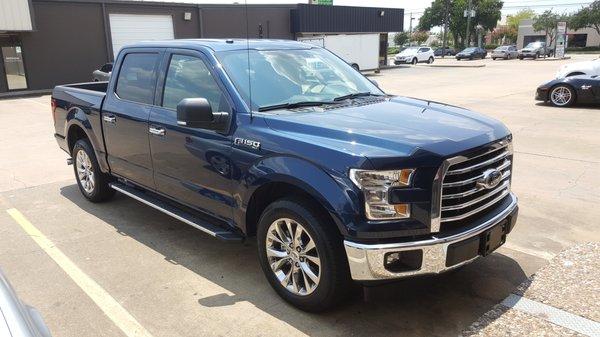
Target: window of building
x,y
527,39
137,78
577,40
188,77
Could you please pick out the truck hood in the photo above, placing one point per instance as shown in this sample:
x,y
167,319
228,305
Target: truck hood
x,y
395,127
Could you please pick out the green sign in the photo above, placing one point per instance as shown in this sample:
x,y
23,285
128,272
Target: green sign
x,y
323,2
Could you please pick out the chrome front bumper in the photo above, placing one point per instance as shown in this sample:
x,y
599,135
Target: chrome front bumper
x,y
367,260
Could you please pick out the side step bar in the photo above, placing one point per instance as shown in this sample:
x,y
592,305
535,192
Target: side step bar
x,y
181,215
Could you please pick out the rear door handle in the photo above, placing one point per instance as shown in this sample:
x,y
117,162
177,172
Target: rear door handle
x,y
109,119
156,130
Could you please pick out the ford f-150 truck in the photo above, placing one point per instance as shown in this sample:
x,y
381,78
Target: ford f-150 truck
x,y
285,142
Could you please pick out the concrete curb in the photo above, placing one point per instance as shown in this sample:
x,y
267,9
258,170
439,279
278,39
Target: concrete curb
x,y
454,65
553,59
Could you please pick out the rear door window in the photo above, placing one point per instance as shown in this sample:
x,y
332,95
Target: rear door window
x,y
137,78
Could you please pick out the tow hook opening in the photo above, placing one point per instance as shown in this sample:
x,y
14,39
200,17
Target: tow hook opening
x,y
403,261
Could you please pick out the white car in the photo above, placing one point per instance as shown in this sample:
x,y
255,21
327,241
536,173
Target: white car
x,y
590,68
415,55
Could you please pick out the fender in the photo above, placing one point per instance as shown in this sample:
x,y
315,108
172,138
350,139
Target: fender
x,y
76,116
334,193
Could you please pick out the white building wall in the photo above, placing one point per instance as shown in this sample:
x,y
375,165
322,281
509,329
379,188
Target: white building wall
x,y
526,28
15,15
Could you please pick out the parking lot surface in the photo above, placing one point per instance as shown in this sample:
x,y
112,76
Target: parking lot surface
x,y
175,281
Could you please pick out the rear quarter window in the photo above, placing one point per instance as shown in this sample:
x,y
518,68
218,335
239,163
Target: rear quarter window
x,y
137,78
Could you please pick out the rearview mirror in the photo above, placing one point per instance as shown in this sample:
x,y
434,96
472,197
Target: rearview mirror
x,y
197,113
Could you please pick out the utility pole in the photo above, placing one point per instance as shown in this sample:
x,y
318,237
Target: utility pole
x,y
410,29
445,38
469,13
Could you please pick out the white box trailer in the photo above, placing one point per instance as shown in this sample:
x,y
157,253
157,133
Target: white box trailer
x,y
359,50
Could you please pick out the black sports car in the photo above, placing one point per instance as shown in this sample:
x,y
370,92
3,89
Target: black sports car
x,y
472,53
570,90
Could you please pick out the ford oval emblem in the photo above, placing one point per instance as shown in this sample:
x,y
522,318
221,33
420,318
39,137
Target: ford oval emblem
x,y
491,178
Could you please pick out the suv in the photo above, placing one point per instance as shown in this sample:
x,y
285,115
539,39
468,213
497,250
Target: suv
x,y
415,55
284,143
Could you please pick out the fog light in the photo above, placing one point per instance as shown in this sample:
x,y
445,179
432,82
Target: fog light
x,y
404,261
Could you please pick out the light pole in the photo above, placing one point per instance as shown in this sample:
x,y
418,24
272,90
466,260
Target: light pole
x,y
469,13
479,29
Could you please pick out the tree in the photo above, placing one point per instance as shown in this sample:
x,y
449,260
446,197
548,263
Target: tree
x,y
401,38
546,23
419,37
587,17
513,21
506,33
487,15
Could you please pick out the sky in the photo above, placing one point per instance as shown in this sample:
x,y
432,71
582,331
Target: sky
x,y
416,7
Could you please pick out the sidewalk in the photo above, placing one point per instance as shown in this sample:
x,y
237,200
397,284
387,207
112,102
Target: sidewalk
x,y
561,299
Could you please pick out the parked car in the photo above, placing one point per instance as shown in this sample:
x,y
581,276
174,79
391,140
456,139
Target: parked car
x,y
567,91
446,52
505,52
102,74
415,55
337,180
472,53
579,68
16,318
535,50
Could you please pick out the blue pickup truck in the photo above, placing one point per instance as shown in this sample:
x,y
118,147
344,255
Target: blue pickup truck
x,y
285,142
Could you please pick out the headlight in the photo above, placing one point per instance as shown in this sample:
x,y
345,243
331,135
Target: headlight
x,y
375,186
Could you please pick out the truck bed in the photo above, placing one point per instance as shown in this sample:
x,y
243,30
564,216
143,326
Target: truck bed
x,y
79,98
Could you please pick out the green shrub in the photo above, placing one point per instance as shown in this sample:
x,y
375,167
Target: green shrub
x,y
393,50
491,46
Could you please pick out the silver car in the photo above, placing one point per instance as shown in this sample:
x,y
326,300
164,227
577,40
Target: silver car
x,y
505,52
102,74
16,318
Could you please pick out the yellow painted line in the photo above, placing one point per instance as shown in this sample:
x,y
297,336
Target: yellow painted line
x,y
122,319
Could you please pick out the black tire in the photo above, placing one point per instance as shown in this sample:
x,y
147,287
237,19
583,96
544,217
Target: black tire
x,y
521,58
101,191
572,96
536,56
493,58
431,60
355,66
414,61
334,282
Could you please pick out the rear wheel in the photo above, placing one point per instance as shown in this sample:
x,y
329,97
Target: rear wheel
x,y
302,255
92,182
562,96
431,60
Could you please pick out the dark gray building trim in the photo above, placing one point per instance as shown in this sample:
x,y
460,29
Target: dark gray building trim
x,y
345,19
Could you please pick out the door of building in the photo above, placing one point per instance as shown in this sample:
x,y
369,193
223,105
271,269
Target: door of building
x,y
12,66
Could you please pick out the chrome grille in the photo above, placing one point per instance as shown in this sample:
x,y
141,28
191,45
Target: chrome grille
x,y
464,194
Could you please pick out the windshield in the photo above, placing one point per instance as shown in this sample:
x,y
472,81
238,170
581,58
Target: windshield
x,y
468,50
292,76
409,50
534,45
502,48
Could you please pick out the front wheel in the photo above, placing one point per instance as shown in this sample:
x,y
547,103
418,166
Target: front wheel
x,y
415,61
302,255
92,182
562,96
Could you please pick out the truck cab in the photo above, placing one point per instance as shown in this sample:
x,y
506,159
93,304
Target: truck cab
x,y
285,143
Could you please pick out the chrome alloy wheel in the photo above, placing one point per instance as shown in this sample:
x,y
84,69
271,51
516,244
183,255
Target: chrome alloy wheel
x,y
85,171
561,96
293,256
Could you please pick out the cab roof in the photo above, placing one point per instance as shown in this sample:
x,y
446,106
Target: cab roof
x,y
218,45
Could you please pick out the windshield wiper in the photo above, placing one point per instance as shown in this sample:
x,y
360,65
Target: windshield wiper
x,y
355,95
293,105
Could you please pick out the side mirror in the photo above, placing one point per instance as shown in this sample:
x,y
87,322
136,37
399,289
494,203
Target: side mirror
x,y
197,113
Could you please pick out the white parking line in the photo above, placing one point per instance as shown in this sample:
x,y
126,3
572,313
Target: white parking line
x,y
553,315
122,319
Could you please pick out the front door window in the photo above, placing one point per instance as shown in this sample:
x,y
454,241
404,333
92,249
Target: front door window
x,y
14,68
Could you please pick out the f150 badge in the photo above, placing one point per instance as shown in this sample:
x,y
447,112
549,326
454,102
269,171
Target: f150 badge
x,y
247,143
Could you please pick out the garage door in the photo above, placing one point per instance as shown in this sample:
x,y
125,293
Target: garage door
x,y
130,28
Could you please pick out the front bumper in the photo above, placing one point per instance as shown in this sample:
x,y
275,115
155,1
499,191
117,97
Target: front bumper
x,y
541,94
367,261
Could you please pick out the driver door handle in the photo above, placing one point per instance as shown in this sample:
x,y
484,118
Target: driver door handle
x,y
156,130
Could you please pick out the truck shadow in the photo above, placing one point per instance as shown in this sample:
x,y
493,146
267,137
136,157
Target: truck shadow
x,y
439,305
